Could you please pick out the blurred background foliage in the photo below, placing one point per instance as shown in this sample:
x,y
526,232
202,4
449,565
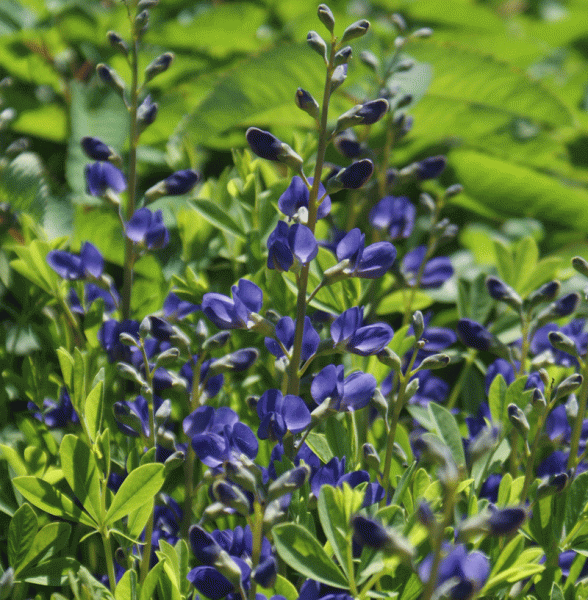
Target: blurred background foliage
x,y
501,89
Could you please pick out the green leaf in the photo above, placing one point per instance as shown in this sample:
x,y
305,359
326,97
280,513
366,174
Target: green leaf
x,y
448,430
526,255
577,501
496,399
282,587
14,460
23,185
300,550
66,363
556,592
81,472
337,437
21,534
473,300
53,572
512,189
94,407
150,583
137,489
480,79
43,495
49,540
218,217
396,302
184,556
335,507
318,443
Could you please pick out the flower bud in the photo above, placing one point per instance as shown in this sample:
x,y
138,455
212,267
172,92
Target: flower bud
x,y
568,386
545,293
147,4
218,340
145,327
19,145
326,17
399,21
307,103
581,265
538,398
167,358
288,482
435,361
518,419
503,293
405,65
342,56
453,190
177,184
353,177
347,144
141,23
355,30
111,78
146,113
423,32
485,441
130,373
127,339
507,520
370,60
239,474
231,496
555,484
425,515
159,65
269,147
412,388
389,358
371,457
339,76
418,324
562,342
316,42
363,114
367,532
117,42
96,149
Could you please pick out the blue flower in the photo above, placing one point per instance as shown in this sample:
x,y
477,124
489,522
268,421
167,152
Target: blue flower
x,y
474,335
147,229
176,309
369,263
89,263
96,149
288,243
218,435
101,176
56,414
236,313
297,195
430,167
285,331
470,571
353,177
348,332
280,414
352,393
91,293
210,386
436,272
396,214
574,330
109,338
371,533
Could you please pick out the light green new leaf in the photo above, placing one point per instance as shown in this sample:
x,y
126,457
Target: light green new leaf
x,y
496,397
150,583
218,217
21,534
94,407
53,572
300,550
577,501
49,540
45,496
81,472
448,430
137,489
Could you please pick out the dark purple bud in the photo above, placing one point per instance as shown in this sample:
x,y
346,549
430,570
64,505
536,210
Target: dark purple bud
x,y
142,22
269,147
355,30
180,182
363,114
370,60
518,419
546,293
431,167
581,265
568,385
327,19
567,304
425,514
353,177
307,103
562,342
367,532
503,293
346,143
159,65
506,520
474,335
96,149
339,76
117,42
111,78
146,112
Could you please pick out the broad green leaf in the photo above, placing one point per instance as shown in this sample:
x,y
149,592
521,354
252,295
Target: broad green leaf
x,y
577,500
337,437
516,393
480,79
45,496
514,190
49,540
23,185
21,534
473,300
282,587
124,586
335,507
53,572
526,255
318,443
218,217
137,489
504,262
94,407
448,430
300,550
509,554
396,302
150,583
556,592
496,399
81,472
14,460
66,362
172,562
138,520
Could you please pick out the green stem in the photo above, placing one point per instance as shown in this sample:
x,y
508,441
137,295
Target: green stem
x,y
351,569
469,361
109,560
525,345
132,189
577,430
534,448
293,375
257,535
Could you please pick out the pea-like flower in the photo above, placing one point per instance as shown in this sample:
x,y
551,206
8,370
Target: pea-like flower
x,y
350,393
285,244
396,214
297,195
348,332
436,272
285,331
102,176
369,263
236,313
280,414
147,229
88,264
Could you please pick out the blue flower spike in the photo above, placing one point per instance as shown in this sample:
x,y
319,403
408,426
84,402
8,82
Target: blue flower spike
x,y
269,147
